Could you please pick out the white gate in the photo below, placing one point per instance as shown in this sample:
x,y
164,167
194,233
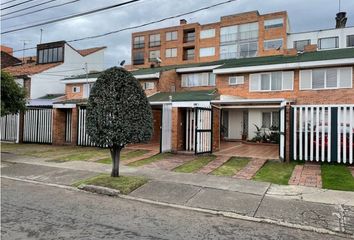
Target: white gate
x,y
9,127
323,133
166,128
190,129
203,130
37,126
83,139
282,122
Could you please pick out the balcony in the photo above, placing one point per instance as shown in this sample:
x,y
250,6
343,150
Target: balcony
x,y
138,45
188,56
237,55
138,61
155,44
189,36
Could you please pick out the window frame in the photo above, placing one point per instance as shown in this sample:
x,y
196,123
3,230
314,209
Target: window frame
x,y
151,59
171,34
336,43
259,89
272,40
170,50
239,80
211,80
208,55
272,117
274,25
295,42
146,85
139,44
154,43
347,41
78,89
207,31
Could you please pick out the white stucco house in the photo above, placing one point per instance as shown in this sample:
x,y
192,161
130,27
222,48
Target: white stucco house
x,y
54,61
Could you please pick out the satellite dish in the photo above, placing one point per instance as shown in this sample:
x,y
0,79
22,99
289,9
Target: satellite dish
x,y
158,60
122,63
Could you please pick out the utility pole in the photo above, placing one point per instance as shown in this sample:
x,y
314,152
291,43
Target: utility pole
x,y
40,40
87,83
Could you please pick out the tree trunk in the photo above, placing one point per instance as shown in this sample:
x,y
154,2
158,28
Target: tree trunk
x,y
115,154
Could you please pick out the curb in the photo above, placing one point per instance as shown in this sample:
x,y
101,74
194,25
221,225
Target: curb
x,y
97,190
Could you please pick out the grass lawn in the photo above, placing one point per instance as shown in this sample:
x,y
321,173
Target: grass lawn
x,y
337,177
124,156
145,161
275,172
231,167
125,184
195,164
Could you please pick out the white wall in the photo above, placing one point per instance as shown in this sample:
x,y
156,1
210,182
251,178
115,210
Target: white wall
x,y
315,35
255,117
49,81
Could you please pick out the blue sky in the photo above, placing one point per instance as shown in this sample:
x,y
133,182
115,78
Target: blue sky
x,y
304,15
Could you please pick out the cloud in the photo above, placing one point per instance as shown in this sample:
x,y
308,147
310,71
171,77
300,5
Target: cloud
x,y
304,15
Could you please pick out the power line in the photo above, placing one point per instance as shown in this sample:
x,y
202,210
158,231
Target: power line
x,y
144,24
39,10
8,2
17,4
72,16
26,8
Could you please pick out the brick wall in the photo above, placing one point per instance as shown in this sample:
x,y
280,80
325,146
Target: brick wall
x,y
157,124
59,118
69,91
177,129
216,129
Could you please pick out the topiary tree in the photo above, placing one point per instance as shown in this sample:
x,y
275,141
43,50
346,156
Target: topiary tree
x,y
13,97
118,113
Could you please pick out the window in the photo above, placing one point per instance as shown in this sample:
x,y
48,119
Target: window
x,y
273,23
228,34
248,49
272,81
198,79
189,35
208,33
236,80
228,51
248,31
75,89
153,55
170,36
350,41
206,52
50,55
300,45
171,52
273,44
270,119
148,85
87,89
138,58
155,40
326,78
188,54
328,43
139,42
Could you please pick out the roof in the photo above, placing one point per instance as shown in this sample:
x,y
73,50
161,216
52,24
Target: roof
x,y
51,96
88,51
205,95
281,59
72,101
30,68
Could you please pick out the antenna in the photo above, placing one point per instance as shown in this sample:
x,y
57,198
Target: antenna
x,y
339,5
24,49
40,40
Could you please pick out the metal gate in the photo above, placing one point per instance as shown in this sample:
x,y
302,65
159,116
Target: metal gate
x,y
282,122
203,130
37,126
9,127
323,133
166,128
83,139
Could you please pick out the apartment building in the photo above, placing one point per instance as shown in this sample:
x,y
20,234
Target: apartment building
x,y
236,36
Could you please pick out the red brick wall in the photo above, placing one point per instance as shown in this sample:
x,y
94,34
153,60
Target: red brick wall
x,y
69,91
216,129
157,124
59,117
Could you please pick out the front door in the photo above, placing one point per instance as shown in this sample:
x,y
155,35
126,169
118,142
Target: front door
x,y
235,124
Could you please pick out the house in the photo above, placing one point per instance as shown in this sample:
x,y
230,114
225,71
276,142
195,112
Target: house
x,y
41,74
7,57
302,101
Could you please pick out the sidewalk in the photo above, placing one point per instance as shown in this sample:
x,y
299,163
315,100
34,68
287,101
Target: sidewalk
x,y
319,208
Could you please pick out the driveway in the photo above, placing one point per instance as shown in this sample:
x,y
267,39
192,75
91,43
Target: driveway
x,y
251,150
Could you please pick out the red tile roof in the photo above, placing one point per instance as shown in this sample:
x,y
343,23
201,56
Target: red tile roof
x,y
29,68
88,51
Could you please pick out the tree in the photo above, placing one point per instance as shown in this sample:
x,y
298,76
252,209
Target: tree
x,y
118,113
13,97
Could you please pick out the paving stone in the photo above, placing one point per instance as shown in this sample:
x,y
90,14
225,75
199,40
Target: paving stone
x,y
308,175
170,162
220,160
146,155
251,169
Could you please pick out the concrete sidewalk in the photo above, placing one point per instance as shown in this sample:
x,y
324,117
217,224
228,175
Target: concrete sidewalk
x,y
319,208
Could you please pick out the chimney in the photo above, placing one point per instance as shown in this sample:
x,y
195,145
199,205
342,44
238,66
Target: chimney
x,y
182,21
341,20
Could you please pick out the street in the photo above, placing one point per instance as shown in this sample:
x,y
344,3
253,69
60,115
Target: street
x,y
33,211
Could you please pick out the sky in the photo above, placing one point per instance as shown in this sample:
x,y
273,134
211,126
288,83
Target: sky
x,y
304,15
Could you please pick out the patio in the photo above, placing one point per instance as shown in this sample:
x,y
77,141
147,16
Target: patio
x,y
251,150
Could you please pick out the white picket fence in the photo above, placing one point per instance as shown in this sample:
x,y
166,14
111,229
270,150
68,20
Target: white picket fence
x,y
38,124
83,139
9,126
323,133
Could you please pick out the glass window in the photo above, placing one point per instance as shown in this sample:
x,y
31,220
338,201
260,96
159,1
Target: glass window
x,y
188,54
50,55
148,85
55,54
198,79
228,34
60,54
300,45
350,41
273,44
275,119
265,81
248,31
154,40
170,36
40,56
171,52
205,52
318,79
208,33
153,55
138,58
266,119
331,78
328,43
228,51
139,42
75,89
45,55
276,83
273,23
273,81
236,80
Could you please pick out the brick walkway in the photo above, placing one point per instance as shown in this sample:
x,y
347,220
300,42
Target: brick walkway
x,y
171,162
308,175
251,168
146,155
220,160
230,149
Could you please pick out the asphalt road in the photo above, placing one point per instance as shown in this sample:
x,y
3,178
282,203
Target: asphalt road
x,y
32,211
